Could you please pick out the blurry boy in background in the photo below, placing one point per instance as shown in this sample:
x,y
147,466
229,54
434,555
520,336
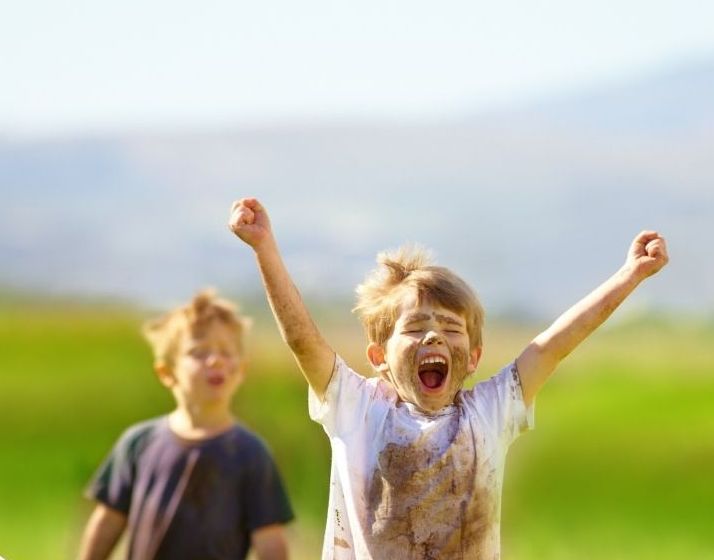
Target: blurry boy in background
x,y
193,484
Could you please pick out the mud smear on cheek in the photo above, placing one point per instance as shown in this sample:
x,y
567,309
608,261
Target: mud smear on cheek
x,y
407,379
424,504
459,369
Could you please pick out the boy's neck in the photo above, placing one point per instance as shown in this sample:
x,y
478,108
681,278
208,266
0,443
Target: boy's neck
x,y
200,423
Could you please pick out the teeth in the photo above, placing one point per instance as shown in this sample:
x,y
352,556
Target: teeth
x,y
433,360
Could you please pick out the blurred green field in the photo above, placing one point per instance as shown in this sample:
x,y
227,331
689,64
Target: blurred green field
x,y
621,464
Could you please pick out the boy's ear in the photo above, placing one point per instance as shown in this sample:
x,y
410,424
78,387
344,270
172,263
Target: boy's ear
x,y
474,358
377,357
165,374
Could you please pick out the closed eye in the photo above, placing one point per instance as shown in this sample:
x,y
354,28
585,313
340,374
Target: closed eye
x,y
204,353
199,353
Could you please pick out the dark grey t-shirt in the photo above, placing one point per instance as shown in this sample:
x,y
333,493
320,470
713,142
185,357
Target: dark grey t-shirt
x,y
190,500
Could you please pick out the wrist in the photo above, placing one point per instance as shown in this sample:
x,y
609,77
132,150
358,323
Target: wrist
x,y
631,274
265,247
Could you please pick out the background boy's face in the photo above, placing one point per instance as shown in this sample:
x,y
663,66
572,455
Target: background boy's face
x,y
428,356
207,369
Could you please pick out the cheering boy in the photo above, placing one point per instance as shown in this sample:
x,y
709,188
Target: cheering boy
x,y
417,462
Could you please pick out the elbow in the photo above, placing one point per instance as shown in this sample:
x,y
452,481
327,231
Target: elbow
x,y
551,349
297,344
301,345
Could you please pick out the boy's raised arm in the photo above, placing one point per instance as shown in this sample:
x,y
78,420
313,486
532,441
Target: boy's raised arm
x,y
647,255
250,222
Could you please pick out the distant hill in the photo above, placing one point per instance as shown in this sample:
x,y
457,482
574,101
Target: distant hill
x,y
676,100
533,205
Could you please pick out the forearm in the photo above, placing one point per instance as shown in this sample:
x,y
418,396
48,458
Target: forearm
x,y
270,543
578,322
544,353
314,356
646,256
103,530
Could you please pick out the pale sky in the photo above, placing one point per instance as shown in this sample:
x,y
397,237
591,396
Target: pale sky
x,y
87,66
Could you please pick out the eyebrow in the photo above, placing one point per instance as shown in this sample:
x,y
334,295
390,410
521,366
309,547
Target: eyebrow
x,y
447,319
416,317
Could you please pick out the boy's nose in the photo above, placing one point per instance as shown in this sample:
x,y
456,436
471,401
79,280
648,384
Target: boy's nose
x,y
214,358
433,338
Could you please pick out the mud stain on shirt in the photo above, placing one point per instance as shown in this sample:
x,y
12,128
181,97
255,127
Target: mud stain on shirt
x,y
342,543
423,501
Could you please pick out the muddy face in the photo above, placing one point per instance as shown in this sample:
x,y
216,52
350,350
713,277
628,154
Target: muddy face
x,y
428,356
423,501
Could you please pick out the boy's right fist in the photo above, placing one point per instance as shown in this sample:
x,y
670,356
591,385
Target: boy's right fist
x,y
249,221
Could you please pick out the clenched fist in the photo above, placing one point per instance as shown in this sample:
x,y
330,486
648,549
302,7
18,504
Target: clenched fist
x,y
250,222
647,254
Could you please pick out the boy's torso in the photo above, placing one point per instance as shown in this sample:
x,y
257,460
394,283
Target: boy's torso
x,y
185,489
434,489
190,499
406,485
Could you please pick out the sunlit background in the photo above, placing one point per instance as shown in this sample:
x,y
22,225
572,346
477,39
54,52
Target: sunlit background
x,y
525,143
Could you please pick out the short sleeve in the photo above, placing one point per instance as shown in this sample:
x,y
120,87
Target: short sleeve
x,y
354,394
266,500
113,482
499,403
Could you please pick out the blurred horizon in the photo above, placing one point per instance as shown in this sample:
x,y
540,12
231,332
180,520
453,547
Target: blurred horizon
x,y
533,205
525,145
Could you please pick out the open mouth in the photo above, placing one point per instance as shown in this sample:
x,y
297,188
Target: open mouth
x,y
215,380
433,371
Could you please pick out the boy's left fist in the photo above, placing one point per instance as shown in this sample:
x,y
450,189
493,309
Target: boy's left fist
x,y
648,254
249,221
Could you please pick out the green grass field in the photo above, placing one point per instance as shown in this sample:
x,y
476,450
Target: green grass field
x,y
621,464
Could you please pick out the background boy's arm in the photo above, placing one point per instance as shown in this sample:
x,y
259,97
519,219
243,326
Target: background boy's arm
x,y
269,543
103,530
647,255
250,222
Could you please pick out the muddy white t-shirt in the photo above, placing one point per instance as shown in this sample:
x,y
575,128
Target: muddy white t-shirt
x,y
404,484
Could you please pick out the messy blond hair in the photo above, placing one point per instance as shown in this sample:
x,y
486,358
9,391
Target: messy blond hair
x,y
164,334
380,295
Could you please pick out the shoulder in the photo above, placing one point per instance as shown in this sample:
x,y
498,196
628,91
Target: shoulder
x,y
135,437
144,428
487,395
344,383
498,403
355,382
348,399
246,437
243,443
503,383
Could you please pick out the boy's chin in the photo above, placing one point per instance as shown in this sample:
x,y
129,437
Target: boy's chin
x,y
431,403
426,399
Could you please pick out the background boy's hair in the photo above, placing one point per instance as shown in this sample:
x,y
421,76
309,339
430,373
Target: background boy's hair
x,y
164,333
379,296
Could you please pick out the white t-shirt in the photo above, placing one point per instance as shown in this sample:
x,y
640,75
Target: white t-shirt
x,y
404,484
